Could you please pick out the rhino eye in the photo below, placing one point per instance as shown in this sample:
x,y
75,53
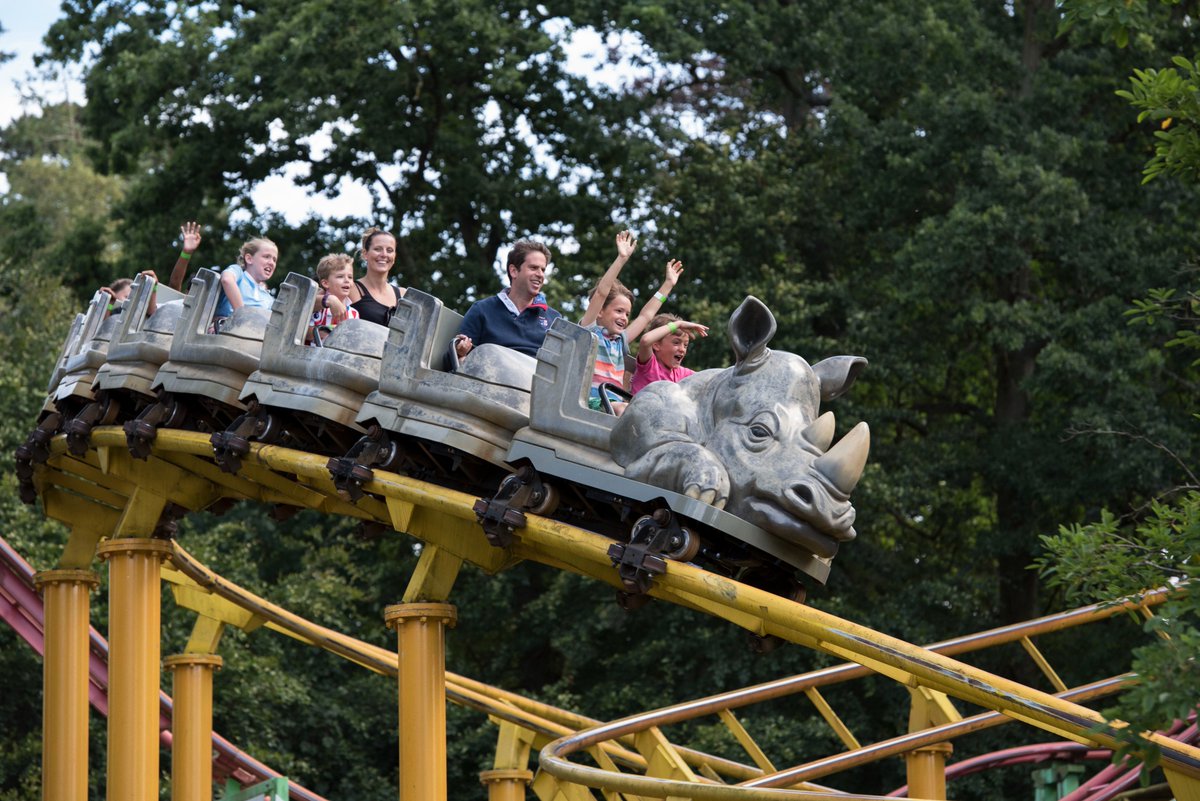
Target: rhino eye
x,y
760,431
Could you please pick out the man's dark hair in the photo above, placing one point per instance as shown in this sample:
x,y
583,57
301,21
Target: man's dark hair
x,y
522,248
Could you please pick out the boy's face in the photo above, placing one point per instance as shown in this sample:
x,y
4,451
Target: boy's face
x,y
615,316
339,282
671,349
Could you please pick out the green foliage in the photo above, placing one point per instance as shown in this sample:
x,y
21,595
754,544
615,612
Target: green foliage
x,y
1118,557
56,211
1170,98
1114,20
460,120
932,185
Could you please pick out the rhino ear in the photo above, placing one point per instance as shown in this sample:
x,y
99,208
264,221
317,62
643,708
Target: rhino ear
x,y
837,374
750,329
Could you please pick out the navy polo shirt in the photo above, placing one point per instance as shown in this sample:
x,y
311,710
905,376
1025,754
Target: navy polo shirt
x,y
495,320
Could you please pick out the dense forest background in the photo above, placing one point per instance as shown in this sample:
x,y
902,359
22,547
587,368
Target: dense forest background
x,y
950,188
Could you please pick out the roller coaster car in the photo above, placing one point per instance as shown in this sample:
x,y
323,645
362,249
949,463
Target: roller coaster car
x,y
302,396
568,445
70,388
202,381
137,350
36,448
433,417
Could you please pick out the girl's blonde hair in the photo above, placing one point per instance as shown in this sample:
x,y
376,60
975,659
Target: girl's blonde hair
x,y
253,246
331,264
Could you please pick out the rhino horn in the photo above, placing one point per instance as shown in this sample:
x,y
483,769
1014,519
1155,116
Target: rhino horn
x,y
843,464
820,431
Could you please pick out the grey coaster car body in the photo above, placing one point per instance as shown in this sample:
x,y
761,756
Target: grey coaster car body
x,y
141,344
86,354
475,409
60,366
330,382
212,365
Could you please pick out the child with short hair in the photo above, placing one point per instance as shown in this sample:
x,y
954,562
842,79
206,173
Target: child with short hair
x,y
335,274
607,317
662,350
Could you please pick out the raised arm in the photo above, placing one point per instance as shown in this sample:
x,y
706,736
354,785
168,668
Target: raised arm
x,y
191,241
638,324
693,330
229,285
626,244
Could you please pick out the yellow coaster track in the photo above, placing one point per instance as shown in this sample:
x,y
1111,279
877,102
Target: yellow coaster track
x,y
109,494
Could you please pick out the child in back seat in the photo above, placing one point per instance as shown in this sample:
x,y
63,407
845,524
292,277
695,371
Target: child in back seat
x,y
607,317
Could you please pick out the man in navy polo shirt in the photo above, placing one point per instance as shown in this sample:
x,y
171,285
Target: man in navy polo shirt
x,y
517,317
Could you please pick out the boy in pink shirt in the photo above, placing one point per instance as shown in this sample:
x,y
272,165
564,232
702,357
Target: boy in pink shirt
x,y
660,354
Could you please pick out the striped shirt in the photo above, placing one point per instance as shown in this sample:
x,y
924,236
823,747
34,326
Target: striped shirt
x,y
610,359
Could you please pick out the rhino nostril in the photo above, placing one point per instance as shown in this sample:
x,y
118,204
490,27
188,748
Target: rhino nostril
x,y
803,492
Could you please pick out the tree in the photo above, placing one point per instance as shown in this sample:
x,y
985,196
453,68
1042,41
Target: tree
x,y
57,205
940,219
461,120
1169,97
1155,545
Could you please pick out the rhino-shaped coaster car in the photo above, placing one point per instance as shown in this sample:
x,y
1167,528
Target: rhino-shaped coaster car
x,y
748,439
670,457
303,396
202,380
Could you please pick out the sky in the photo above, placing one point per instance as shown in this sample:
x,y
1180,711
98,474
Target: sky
x,y
24,25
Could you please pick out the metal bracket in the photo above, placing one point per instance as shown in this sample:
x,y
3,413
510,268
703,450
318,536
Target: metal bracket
x,y
230,445
645,555
351,471
78,429
504,513
141,432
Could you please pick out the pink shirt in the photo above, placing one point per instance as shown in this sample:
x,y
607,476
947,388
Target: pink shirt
x,y
654,370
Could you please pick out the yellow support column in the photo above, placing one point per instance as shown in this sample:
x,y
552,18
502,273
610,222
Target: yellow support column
x,y
421,644
65,682
927,771
134,637
506,785
191,725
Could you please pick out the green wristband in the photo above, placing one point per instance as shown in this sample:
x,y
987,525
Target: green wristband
x,y
672,328
183,254
660,297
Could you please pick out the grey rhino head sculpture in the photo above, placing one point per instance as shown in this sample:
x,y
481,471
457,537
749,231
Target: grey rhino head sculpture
x,y
748,438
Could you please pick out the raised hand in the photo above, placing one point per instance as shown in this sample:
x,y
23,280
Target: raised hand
x,y
693,330
626,244
674,270
191,236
